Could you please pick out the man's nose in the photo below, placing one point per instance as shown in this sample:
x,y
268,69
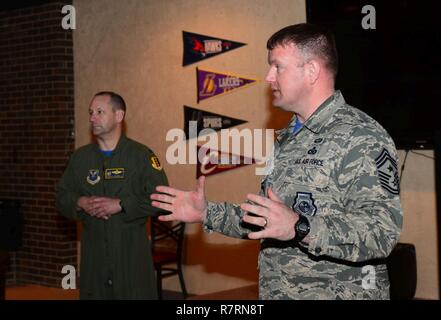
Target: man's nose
x,y
270,76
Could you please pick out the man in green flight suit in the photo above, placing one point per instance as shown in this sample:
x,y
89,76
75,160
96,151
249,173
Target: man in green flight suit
x,y
106,186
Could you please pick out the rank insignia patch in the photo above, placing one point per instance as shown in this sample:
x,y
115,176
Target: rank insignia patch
x,y
114,173
304,204
155,163
388,172
93,177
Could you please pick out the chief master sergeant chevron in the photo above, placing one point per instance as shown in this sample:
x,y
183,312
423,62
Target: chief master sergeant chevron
x,y
330,208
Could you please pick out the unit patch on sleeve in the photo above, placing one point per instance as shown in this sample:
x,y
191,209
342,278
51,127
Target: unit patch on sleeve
x,y
388,172
155,163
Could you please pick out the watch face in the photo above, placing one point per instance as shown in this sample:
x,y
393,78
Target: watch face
x,y
303,227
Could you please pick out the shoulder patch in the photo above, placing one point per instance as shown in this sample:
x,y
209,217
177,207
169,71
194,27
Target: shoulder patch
x,y
388,172
155,162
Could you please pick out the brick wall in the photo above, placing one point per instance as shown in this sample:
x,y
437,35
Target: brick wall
x,y
36,125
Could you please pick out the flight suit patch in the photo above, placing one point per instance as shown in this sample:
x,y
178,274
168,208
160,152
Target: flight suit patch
x,y
114,173
155,163
93,177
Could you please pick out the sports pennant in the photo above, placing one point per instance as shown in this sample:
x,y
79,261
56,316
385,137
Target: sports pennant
x,y
198,47
206,120
211,83
214,161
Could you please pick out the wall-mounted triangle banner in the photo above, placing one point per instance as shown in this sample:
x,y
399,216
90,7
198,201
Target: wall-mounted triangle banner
x,y
215,161
206,120
198,47
212,83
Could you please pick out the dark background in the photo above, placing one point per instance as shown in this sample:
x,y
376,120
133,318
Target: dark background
x,y
393,72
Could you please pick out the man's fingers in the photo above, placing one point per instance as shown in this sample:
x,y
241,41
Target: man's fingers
x,y
96,200
161,197
273,196
260,221
167,217
257,235
168,190
100,212
201,185
263,201
161,205
253,209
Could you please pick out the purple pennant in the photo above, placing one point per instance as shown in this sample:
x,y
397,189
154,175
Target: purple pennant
x,y
210,83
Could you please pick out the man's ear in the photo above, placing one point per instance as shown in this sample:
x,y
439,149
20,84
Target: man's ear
x,y
313,69
120,115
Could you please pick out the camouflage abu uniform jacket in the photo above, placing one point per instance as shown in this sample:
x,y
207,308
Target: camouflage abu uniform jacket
x,y
340,171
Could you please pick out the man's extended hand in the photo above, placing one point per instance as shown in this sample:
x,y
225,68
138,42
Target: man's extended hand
x,y
277,219
187,206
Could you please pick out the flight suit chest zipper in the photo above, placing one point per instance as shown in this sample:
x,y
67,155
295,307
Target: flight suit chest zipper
x,y
106,229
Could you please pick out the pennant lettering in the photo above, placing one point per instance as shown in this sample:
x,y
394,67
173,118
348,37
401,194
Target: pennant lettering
x,y
198,47
211,83
214,161
207,120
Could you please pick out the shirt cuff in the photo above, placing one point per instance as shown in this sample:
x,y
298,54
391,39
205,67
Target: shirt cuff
x,y
207,223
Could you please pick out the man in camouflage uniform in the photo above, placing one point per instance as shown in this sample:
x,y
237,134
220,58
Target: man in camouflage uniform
x,y
330,208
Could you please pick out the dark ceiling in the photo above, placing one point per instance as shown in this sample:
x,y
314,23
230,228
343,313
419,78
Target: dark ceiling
x,y
19,4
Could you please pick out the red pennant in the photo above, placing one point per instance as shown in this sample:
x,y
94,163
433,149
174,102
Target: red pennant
x,y
214,161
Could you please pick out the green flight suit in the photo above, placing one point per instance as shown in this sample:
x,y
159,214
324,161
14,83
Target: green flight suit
x,y
116,260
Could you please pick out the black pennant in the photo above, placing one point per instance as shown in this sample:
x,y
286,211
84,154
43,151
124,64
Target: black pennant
x,y
198,47
207,120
